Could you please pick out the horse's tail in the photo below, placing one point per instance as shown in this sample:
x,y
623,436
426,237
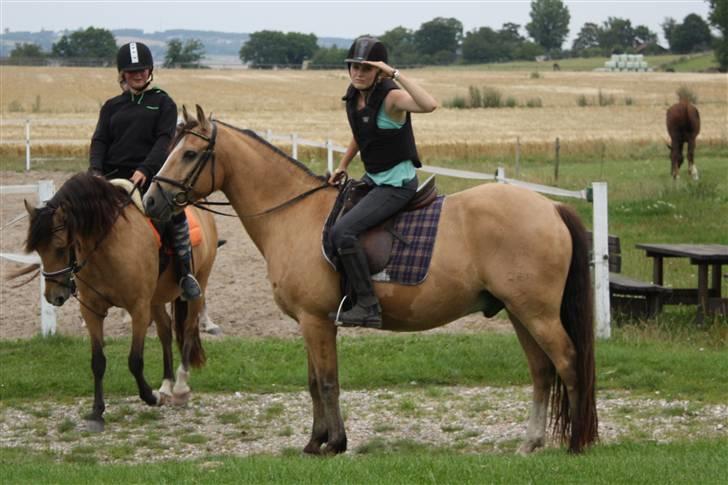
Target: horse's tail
x,y
185,339
577,317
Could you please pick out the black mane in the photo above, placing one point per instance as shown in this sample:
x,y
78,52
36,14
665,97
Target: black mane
x,y
90,206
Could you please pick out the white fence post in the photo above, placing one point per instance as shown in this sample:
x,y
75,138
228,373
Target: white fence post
x,y
600,245
329,156
46,190
27,145
294,146
500,175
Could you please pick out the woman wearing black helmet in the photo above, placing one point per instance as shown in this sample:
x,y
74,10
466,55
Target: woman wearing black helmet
x,y
131,139
379,117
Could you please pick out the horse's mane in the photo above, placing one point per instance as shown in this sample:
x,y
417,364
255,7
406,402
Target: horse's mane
x,y
90,205
192,123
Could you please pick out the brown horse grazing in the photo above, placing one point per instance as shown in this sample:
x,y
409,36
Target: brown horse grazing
x,y
683,125
91,234
494,241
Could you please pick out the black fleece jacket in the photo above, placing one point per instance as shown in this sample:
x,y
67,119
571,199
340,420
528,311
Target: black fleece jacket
x,y
133,133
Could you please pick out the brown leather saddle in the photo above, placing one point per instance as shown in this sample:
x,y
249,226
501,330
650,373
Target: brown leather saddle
x,y
379,240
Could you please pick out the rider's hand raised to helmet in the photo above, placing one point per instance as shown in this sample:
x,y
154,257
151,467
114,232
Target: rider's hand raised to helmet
x,y
386,69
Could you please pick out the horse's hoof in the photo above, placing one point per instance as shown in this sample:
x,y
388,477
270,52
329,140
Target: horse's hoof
x,y
528,447
94,426
164,399
211,329
312,449
181,399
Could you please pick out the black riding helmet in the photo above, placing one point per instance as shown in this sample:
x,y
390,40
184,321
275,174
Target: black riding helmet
x,y
134,56
366,48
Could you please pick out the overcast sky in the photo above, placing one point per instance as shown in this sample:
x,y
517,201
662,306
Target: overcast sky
x,y
324,18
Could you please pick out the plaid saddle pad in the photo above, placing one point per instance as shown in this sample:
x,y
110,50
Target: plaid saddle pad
x,y
410,260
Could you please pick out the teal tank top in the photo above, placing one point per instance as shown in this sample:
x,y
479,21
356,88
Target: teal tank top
x,y
401,173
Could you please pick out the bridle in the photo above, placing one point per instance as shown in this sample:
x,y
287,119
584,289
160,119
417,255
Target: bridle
x,y
182,199
71,271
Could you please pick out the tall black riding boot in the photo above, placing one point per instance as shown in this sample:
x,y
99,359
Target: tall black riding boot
x,y
183,256
366,312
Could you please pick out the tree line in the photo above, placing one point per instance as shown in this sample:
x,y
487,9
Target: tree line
x,y
440,41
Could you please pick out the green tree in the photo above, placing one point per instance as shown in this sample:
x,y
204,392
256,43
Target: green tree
x,y
587,38
91,43
185,55
668,27
400,44
270,48
481,46
26,50
643,35
549,23
300,47
719,19
329,57
439,39
616,35
690,36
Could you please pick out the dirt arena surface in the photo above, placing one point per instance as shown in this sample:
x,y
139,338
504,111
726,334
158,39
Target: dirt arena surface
x,y
238,294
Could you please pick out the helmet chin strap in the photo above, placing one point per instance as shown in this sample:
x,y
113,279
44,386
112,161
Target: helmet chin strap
x,y
144,88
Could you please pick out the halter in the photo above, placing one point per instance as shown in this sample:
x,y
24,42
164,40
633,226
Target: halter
x,y
182,199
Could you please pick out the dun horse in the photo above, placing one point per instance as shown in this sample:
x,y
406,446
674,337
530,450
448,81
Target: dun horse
x,y
91,233
494,241
683,125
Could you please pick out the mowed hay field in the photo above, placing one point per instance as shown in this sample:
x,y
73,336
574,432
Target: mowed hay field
x,y
63,105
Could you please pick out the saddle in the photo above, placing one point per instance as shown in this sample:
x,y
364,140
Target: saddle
x,y
378,241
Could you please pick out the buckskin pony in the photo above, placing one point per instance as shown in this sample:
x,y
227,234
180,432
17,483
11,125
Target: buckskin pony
x,y
93,239
683,125
494,242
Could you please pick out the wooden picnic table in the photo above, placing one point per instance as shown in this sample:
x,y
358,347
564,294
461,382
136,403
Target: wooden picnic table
x,y
708,300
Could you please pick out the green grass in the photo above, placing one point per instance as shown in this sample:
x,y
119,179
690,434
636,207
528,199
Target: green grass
x,y
685,369
702,462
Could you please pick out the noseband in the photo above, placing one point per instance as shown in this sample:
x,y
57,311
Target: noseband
x,y
182,199
69,272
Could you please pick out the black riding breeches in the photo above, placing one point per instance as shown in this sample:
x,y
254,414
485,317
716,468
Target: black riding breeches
x,y
381,203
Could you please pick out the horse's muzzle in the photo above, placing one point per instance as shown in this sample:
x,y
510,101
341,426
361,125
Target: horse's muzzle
x,y
156,205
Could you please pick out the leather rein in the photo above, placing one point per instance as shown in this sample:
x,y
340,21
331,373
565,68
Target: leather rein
x,y
182,199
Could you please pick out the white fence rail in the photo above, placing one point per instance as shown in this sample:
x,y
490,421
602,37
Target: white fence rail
x,y
45,190
597,194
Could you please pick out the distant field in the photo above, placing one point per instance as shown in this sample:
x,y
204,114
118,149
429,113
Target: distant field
x,y
63,104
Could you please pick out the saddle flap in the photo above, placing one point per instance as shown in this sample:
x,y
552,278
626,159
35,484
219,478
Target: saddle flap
x,y
128,186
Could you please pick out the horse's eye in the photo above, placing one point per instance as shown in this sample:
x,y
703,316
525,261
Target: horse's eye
x,y
189,155
60,252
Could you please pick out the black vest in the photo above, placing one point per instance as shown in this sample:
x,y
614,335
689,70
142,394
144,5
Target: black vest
x,y
380,149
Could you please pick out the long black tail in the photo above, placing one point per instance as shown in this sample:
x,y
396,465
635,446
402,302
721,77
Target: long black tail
x,y
577,316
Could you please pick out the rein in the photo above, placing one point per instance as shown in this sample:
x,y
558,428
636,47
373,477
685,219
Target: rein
x,y
182,199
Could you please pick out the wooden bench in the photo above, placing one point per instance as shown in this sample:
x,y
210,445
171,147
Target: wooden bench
x,y
631,297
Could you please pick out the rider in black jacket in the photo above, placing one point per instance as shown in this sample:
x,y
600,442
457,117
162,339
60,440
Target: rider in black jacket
x,y
131,139
379,116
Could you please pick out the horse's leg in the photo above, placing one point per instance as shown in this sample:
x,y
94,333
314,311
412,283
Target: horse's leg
x,y
691,158
319,431
542,375
164,332
95,327
320,337
191,351
140,318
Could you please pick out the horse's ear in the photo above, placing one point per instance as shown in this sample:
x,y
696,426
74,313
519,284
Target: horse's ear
x,y
204,124
185,116
31,210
